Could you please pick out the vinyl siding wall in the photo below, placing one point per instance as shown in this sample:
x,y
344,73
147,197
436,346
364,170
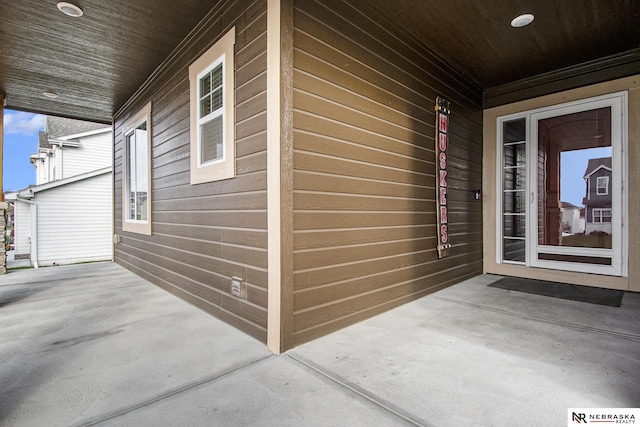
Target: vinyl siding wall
x,y
364,185
22,228
93,153
74,222
205,234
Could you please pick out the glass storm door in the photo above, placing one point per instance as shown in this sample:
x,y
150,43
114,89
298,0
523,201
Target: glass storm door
x,y
562,187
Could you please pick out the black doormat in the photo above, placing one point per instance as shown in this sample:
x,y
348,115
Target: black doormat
x,y
609,297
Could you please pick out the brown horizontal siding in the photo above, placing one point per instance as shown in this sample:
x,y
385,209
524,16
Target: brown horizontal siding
x,y
364,172
351,290
328,183
360,37
203,235
372,267
318,220
326,163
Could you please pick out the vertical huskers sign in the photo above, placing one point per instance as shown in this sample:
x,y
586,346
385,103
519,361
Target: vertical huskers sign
x,y
442,142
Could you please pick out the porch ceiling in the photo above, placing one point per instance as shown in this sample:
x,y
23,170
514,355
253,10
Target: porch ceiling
x,y
476,36
96,62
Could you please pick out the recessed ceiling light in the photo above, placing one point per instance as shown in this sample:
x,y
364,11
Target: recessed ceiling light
x,y
522,20
49,94
70,9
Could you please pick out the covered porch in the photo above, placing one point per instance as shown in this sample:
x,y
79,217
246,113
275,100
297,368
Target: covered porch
x,y
95,344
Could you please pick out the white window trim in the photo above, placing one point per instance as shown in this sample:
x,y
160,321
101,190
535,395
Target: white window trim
x,y
598,213
136,226
606,185
221,51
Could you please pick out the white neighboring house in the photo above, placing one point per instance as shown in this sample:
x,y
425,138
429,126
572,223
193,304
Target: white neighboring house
x,y
572,219
67,216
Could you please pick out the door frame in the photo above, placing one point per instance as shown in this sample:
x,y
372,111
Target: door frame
x,y
618,102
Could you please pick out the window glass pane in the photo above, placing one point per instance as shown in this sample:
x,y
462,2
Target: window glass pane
x,y
141,206
137,173
514,225
131,167
513,250
205,85
514,178
574,159
514,184
515,155
514,131
205,105
216,99
603,185
142,184
210,95
514,202
211,147
216,77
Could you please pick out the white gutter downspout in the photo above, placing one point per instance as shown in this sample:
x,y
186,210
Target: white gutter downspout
x,y
59,174
33,252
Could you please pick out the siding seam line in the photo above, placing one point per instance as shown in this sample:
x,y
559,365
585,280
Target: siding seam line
x,y
361,162
360,95
357,178
383,121
429,56
361,195
323,285
358,245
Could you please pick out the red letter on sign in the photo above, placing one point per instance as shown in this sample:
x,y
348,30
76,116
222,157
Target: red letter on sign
x,y
443,123
443,234
442,141
443,178
443,195
443,214
443,160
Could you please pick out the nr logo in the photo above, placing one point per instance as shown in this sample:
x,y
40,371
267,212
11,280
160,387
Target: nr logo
x,y
579,418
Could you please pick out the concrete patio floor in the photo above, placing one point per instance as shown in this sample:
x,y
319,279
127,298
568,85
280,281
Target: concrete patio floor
x,y
94,344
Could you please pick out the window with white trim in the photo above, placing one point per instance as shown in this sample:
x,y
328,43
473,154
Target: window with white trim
x,y
210,115
602,185
136,183
602,215
211,80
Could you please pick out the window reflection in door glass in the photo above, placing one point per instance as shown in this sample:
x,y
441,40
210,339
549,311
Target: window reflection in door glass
x,y
574,180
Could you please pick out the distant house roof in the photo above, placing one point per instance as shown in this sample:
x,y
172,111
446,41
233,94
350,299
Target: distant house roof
x,y
595,164
59,127
43,140
567,205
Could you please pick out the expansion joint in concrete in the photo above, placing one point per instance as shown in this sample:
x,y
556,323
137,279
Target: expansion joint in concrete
x,y
360,391
170,393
